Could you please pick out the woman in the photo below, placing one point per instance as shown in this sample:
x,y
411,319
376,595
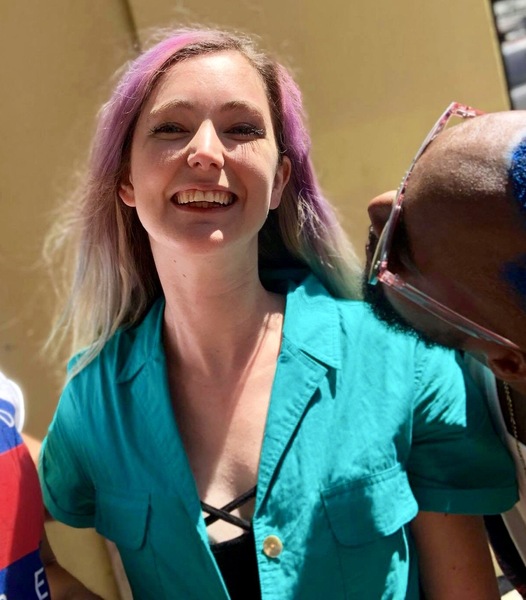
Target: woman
x,y
222,370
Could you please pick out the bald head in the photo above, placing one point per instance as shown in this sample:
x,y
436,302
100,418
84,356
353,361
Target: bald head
x,y
467,195
462,234
482,160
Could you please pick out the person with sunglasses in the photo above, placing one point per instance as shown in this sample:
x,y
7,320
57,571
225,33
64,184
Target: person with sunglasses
x,y
447,261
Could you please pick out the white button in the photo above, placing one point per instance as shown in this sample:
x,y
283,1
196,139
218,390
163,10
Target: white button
x,y
272,546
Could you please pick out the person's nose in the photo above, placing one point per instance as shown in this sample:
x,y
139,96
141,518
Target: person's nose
x,y
206,149
379,210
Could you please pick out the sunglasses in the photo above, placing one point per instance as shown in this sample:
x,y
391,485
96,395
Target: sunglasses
x,y
379,271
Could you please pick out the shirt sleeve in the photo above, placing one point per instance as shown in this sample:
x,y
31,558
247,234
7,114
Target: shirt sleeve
x,y
458,463
68,491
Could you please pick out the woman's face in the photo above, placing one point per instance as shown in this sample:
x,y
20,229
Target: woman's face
x,y
204,168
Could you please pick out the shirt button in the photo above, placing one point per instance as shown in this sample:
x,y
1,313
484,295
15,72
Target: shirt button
x,y
272,546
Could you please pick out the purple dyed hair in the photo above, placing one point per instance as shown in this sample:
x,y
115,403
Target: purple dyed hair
x,y
115,278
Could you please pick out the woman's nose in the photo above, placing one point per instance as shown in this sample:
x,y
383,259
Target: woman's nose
x,y
379,210
206,149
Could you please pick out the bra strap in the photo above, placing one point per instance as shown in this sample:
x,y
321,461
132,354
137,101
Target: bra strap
x,y
214,514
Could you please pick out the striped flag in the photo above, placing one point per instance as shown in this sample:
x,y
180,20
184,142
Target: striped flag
x,y
21,516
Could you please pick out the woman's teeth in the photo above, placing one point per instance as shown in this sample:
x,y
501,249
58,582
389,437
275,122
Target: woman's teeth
x,y
207,199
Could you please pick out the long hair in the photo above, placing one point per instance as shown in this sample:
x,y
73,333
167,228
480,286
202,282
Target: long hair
x,y
113,279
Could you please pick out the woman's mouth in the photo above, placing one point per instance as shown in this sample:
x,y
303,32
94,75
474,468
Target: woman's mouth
x,y
204,199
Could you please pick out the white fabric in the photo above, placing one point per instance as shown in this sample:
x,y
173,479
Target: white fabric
x,y
515,518
10,392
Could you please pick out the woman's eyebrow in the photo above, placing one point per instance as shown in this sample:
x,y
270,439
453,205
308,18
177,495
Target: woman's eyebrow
x,y
241,105
180,103
174,103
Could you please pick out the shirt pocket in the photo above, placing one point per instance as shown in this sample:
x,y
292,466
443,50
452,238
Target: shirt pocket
x,y
362,511
122,518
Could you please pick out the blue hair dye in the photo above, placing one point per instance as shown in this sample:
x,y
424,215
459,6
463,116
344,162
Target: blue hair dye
x,y
514,273
517,173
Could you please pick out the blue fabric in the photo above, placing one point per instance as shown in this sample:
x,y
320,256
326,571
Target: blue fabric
x,y
365,427
514,273
24,579
10,437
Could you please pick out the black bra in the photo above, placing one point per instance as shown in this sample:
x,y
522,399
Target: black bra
x,y
236,558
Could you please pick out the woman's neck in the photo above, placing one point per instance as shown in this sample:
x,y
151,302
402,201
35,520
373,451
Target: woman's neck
x,y
216,316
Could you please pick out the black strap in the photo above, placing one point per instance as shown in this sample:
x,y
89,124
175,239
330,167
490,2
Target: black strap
x,y
214,514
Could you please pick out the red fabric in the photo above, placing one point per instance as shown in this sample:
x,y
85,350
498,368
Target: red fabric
x,y
21,508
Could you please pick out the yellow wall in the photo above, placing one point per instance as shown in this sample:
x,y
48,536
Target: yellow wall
x,y
56,59
374,75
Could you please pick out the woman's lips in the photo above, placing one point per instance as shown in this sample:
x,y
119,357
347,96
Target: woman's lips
x,y
204,199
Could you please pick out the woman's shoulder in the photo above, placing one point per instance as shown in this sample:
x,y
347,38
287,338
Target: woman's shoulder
x,y
127,346
364,329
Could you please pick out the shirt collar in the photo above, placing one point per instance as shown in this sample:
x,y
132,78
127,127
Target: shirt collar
x,y
311,324
312,321
145,342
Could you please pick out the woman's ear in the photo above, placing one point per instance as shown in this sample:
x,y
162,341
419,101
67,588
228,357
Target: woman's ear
x,y
280,181
126,190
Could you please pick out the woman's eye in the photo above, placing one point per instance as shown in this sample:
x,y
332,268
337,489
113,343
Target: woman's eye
x,y
167,128
246,130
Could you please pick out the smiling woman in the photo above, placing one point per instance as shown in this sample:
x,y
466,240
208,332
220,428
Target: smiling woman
x,y
205,129
223,407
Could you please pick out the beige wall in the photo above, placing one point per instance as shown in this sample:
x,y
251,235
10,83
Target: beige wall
x,y
374,75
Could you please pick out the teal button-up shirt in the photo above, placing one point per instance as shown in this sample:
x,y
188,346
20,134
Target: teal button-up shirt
x,y
365,426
